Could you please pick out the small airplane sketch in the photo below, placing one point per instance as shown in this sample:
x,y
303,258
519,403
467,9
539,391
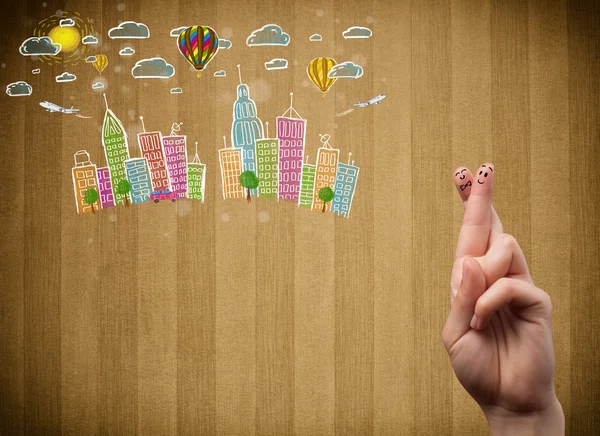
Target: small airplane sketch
x,y
51,107
375,100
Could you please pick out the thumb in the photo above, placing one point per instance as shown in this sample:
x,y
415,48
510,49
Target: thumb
x,y
463,306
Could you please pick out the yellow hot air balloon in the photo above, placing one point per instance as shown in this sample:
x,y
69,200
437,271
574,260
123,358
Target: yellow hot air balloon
x,y
100,63
318,70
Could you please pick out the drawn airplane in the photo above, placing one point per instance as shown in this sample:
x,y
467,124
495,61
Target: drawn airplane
x,y
375,100
51,107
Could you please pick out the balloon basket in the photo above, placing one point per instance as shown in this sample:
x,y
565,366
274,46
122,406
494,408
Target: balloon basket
x,y
198,75
323,95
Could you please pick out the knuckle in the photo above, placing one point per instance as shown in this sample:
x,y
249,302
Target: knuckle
x,y
509,240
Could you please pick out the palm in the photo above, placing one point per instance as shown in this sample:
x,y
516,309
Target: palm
x,y
507,364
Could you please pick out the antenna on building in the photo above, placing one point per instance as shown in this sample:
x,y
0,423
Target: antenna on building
x,y
105,100
291,109
352,162
239,73
143,127
267,123
196,159
225,141
176,127
306,159
325,140
349,154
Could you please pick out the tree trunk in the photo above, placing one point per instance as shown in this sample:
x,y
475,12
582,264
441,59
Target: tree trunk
x,y
93,210
324,207
126,200
248,197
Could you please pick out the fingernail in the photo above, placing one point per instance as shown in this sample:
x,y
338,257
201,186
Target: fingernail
x,y
474,322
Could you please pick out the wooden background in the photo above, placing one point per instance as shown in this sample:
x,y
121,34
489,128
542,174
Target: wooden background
x,y
266,319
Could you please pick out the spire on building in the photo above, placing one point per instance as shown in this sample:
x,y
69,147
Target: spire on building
x,y
239,74
143,127
349,154
291,109
196,159
105,100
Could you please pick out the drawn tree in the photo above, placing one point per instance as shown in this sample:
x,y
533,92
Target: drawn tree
x,y
123,188
90,197
249,181
326,195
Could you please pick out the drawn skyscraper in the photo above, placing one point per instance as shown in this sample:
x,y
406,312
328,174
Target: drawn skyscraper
x,y
345,185
230,160
116,150
267,151
291,132
327,161
107,198
196,178
246,127
151,146
176,157
308,185
84,178
139,179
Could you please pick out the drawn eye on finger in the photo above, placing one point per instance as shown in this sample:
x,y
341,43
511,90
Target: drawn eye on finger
x,y
483,174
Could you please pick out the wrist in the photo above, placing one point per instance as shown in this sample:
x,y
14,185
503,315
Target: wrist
x,y
547,422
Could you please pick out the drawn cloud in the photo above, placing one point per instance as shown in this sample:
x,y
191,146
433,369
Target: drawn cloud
x,y
220,73
346,70
66,77
89,39
176,32
39,46
270,34
176,91
153,68
127,51
357,32
67,22
90,59
36,71
19,89
98,85
129,30
224,44
315,37
276,64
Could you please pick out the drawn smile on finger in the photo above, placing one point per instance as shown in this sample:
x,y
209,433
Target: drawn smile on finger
x,y
462,176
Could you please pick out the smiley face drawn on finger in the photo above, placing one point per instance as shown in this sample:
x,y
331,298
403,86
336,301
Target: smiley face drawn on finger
x,y
462,176
484,173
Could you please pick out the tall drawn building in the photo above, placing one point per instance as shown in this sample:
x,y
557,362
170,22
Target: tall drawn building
x,y
325,174
139,179
307,186
176,156
116,150
105,191
246,128
267,151
230,160
291,132
196,178
84,178
345,185
151,146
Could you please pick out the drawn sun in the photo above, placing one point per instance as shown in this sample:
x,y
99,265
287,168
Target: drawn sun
x,y
73,50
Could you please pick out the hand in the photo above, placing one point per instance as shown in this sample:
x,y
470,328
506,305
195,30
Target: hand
x,y
499,330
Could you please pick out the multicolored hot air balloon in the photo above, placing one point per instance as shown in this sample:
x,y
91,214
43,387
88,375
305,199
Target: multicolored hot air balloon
x,y
198,44
100,63
318,71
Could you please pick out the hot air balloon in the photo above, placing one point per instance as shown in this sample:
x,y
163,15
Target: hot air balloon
x,y
318,71
100,63
198,44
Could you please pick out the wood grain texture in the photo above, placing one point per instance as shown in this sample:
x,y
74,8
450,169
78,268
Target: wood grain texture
x,y
227,318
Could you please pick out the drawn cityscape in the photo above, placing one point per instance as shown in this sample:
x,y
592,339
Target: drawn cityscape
x,y
277,164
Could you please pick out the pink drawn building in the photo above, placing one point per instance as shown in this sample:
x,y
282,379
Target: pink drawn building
x,y
151,146
105,187
291,131
176,157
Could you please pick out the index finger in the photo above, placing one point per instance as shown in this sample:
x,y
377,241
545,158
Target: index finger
x,y
475,230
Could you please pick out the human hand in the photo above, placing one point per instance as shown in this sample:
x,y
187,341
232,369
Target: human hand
x,y
499,330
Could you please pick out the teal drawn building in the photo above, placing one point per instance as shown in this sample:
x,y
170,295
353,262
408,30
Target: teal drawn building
x,y
246,128
138,175
116,150
307,186
345,185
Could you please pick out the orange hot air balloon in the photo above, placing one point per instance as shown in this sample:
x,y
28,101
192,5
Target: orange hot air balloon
x,y
100,63
318,72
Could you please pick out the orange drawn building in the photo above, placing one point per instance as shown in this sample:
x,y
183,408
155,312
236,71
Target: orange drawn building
x,y
327,162
230,160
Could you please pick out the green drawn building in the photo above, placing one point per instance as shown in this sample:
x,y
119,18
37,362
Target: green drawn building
x,y
116,150
196,178
308,185
267,153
